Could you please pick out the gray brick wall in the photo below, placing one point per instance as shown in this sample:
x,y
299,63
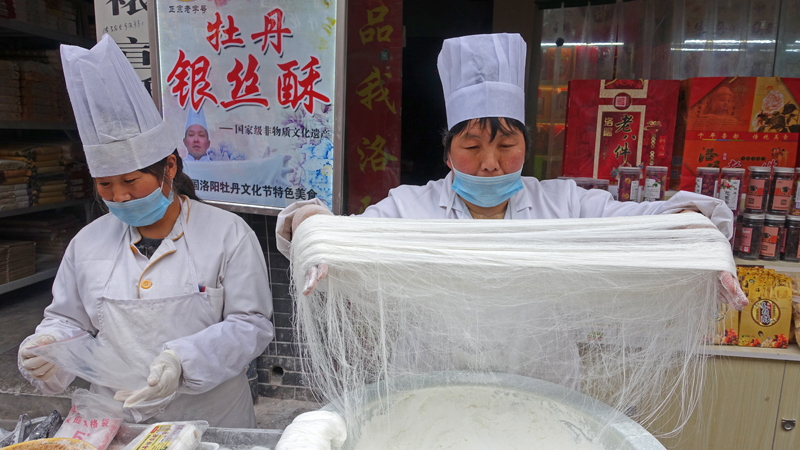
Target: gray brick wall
x,y
279,371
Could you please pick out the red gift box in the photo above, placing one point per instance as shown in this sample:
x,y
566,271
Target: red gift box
x,y
619,123
736,122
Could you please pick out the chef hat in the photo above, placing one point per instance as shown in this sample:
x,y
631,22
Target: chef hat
x,y
119,124
196,118
483,76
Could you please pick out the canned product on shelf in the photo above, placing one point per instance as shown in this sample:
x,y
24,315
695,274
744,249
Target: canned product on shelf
x,y
730,187
596,183
794,205
629,184
750,238
772,237
655,182
781,191
707,181
737,234
757,192
791,246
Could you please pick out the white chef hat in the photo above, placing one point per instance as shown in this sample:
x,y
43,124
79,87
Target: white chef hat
x,y
196,118
483,76
119,124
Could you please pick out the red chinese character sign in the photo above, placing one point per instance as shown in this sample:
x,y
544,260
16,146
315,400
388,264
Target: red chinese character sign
x,y
247,91
374,93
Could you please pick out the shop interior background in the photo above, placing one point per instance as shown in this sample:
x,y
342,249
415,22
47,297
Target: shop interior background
x,y
606,39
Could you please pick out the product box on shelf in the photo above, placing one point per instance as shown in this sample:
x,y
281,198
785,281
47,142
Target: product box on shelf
x,y
726,326
619,123
765,321
736,122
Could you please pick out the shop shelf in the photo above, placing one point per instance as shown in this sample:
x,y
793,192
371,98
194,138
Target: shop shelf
x,y
778,266
11,28
40,275
37,208
783,354
28,125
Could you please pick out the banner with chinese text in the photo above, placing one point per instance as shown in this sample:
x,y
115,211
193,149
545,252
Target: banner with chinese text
x,y
126,22
247,90
374,94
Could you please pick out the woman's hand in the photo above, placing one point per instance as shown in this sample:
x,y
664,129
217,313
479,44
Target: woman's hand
x,y
35,365
163,381
313,277
305,212
730,291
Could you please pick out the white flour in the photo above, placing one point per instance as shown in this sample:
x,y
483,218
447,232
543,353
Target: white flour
x,y
467,418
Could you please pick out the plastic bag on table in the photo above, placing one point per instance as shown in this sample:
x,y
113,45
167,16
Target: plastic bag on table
x,y
97,362
93,418
94,361
47,427
170,436
18,434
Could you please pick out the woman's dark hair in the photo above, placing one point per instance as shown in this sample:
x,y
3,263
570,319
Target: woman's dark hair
x,y
505,126
182,184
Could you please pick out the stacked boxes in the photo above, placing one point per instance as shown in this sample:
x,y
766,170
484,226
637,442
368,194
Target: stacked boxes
x,y
736,122
50,232
40,87
10,105
33,90
14,177
619,123
17,260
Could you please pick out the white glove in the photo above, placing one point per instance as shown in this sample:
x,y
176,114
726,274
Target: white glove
x,y
731,292
36,366
314,430
163,381
313,277
320,271
305,212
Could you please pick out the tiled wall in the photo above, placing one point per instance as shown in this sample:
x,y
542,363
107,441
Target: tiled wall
x,y
278,367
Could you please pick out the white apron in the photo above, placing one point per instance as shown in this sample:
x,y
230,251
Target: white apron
x,y
138,329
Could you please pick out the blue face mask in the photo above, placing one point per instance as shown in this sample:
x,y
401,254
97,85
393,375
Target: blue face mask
x,y
142,211
486,191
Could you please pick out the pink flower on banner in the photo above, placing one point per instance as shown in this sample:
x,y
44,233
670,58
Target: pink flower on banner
x,y
773,102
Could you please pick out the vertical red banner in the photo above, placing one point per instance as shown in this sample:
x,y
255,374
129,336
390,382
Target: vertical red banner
x,y
374,94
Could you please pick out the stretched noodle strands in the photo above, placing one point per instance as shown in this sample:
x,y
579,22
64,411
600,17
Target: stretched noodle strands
x,y
614,307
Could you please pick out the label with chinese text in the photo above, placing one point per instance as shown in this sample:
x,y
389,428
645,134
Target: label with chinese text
x,y
755,194
652,189
769,241
729,193
247,94
782,196
745,239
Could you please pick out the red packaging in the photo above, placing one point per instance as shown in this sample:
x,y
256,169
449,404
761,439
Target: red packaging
x,y
736,122
619,122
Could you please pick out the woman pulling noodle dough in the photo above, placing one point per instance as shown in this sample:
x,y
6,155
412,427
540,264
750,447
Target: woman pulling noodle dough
x,y
485,146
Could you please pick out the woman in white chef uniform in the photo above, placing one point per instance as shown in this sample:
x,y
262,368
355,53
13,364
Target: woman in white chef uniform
x,y
193,305
485,147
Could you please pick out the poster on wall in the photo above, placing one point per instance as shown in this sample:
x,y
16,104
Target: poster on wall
x,y
247,91
126,22
374,97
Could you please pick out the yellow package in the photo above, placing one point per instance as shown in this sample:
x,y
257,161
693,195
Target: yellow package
x,y
766,321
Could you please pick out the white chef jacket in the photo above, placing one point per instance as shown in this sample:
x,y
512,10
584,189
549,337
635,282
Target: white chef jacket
x,y
229,266
550,199
189,157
